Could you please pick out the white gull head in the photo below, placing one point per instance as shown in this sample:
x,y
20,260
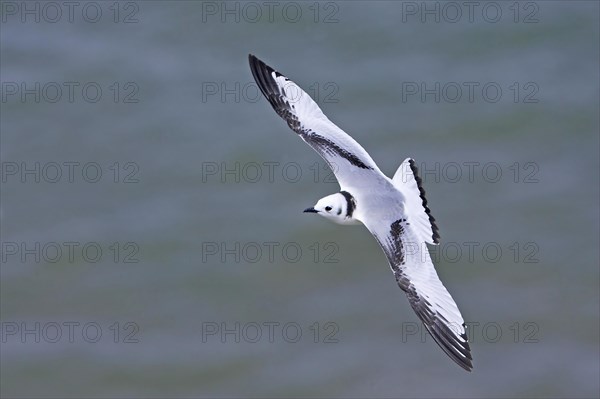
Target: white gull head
x,y
338,207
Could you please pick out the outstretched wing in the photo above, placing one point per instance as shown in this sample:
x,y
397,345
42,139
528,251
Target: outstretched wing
x,y
409,259
350,163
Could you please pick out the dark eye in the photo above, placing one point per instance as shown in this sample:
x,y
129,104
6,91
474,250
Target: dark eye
x,y
327,208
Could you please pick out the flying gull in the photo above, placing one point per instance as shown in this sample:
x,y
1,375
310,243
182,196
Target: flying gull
x,y
394,210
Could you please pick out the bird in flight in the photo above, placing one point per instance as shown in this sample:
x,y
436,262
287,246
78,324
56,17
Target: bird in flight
x,y
394,210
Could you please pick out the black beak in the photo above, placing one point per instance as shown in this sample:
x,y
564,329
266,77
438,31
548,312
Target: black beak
x,y
311,210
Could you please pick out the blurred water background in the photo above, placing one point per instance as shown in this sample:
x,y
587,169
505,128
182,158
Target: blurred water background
x,y
146,139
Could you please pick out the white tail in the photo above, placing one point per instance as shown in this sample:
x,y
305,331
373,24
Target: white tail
x,y
409,183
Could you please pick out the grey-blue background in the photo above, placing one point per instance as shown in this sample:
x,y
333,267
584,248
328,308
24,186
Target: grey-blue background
x,y
178,110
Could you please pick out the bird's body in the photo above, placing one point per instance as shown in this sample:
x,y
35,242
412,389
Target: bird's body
x,y
394,210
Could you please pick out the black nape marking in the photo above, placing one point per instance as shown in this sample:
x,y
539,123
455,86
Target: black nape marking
x,y
350,203
434,228
331,148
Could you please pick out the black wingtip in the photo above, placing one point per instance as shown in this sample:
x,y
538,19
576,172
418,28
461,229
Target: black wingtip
x,y
459,352
454,343
261,73
257,64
